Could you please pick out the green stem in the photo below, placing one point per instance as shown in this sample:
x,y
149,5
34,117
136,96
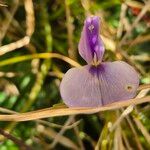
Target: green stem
x,y
18,59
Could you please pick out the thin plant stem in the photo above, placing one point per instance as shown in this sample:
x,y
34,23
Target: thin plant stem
x,y
39,55
61,132
43,69
70,29
19,142
53,112
134,133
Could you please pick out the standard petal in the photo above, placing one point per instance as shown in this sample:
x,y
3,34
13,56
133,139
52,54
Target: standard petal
x,y
91,86
90,42
118,80
80,88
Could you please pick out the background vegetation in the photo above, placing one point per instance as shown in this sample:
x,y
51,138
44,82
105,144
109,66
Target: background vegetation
x,y
31,27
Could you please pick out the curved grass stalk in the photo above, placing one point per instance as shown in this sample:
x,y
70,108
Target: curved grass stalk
x,y
53,112
144,86
41,56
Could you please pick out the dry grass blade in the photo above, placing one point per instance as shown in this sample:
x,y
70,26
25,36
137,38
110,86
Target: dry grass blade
x,y
6,24
144,86
136,137
62,131
140,39
46,123
118,143
3,5
53,112
54,125
122,16
18,44
126,141
138,18
29,31
30,17
142,129
5,110
51,133
129,109
70,30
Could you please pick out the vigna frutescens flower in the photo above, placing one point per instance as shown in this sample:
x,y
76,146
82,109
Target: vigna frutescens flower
x,y
97,83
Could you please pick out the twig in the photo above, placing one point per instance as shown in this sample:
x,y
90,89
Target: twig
x,y
15,45
122,16
142,129
102,141
140,125
134,133
139,17
53,112
52,134
142,57
29,31
128,110
126,141
21,144
73,125
3,5
118,145
140,39
61,132
54,125
77,132
9,20
30,20
70,28
44,68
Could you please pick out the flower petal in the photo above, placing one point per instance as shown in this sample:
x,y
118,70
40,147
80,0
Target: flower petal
x,y
79,88
90,41
91,86
118,80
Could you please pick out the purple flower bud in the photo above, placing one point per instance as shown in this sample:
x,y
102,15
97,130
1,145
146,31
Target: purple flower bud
x,y
90,46
98,83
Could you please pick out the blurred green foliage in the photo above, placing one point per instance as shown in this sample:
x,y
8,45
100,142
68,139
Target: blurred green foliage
x,y
37,77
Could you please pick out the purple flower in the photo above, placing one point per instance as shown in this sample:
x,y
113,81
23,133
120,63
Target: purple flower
x,y
98,83
91,47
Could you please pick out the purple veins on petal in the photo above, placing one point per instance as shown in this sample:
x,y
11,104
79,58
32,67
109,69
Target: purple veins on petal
x,y
91,86
119,81
80,88
90,42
